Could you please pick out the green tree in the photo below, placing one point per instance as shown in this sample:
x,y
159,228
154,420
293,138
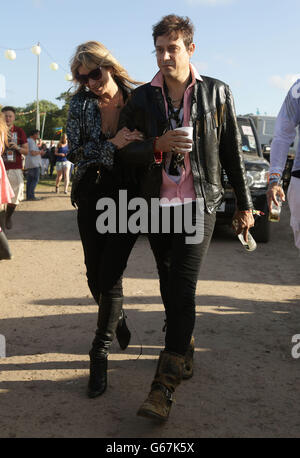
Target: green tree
x,y
54,116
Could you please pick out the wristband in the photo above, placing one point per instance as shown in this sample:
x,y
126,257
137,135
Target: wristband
x,y
274,177
158,155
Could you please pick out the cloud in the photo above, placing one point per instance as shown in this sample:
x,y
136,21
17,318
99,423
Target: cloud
x,y
210,2
284,82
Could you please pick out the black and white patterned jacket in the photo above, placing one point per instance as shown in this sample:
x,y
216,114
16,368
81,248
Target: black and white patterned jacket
x,y
86,147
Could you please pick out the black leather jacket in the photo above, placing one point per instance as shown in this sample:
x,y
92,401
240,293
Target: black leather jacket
x,y
217,142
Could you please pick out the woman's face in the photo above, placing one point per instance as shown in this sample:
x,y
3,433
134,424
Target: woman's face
x,y
101,86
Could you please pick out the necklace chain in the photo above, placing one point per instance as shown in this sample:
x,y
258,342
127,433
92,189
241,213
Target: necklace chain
x,y
115,104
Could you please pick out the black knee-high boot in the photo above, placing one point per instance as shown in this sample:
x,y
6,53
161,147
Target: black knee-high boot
x,y
4,247
108,319
123,334
10,208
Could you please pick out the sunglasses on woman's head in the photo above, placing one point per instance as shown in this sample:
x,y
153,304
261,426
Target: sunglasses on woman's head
x,y
95,74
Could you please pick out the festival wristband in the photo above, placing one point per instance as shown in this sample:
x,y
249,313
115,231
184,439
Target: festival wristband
x,y
158,155
274,177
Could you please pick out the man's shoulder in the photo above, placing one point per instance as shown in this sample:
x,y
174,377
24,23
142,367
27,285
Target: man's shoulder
x,y
144,92
31,142
213,82
20,131
143,88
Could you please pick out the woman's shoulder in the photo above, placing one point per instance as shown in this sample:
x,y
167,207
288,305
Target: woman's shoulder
x,y
80,98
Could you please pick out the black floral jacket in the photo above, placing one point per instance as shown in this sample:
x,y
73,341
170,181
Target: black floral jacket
x,y
86,147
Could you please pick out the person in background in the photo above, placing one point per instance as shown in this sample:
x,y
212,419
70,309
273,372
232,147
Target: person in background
x,y
32,165
6,192
52,157
13,160
44,159
287,122
63,165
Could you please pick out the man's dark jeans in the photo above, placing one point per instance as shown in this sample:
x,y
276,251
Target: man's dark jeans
x,y
33,176
178,265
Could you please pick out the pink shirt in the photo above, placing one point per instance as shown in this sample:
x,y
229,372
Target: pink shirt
x,y
6,192
185,188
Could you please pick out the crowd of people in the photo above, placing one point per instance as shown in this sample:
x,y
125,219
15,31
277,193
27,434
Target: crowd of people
x,y
29,158
123,135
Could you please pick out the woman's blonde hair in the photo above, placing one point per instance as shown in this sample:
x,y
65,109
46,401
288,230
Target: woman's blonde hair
x,y
3,132
94,53
63,140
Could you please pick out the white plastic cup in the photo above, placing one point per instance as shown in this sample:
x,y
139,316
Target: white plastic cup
x,y
189,130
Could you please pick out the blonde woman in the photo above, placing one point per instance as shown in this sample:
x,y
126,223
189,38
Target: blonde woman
x,y
103,87
6,192
63,166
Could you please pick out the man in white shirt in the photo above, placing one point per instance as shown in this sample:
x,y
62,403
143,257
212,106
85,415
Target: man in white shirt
x,y
287,122
32,165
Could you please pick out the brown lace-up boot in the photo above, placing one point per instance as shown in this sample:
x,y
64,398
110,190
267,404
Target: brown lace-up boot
x,y
168,376
188,369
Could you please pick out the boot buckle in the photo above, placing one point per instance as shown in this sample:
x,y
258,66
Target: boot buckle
x,y
167,393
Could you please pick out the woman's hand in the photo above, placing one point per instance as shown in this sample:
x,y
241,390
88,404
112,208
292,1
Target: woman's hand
x,y
173,141
125,136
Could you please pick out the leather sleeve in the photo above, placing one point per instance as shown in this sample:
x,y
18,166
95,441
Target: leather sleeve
x,y
231,155
133,117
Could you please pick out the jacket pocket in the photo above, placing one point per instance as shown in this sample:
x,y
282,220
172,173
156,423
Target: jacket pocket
x,y
211,121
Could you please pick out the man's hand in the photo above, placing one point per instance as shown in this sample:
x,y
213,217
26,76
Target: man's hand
x,y
173,141
244,221
273,191
14,146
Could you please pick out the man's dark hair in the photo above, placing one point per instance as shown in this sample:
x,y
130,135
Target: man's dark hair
x,y
33,132
8,109
174,25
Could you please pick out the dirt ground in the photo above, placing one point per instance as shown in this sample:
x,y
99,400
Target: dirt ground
x,y
246,383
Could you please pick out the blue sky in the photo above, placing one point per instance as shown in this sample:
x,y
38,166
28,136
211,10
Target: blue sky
x,y
253,45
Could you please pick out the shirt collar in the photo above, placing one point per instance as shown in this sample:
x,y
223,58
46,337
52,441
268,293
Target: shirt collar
x,y
158,79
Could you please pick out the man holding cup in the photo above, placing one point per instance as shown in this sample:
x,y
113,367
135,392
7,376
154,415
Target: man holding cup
x,y
182,169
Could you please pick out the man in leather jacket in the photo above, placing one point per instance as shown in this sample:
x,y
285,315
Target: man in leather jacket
x,y
178,96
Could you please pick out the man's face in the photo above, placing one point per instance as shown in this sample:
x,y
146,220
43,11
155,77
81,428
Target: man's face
x,y
9,118
173,58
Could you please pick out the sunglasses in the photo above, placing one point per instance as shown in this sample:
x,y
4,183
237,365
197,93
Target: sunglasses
x,y
95,74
